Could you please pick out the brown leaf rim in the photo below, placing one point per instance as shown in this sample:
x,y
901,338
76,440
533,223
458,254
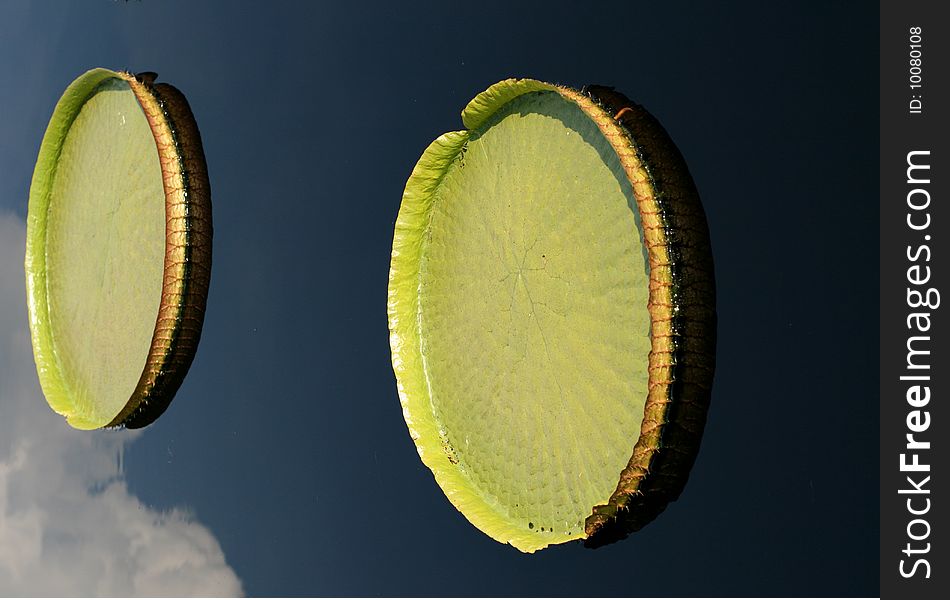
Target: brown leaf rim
x,y
188,237
682,306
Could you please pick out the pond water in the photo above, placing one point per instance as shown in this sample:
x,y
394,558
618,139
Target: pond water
x,y
284,465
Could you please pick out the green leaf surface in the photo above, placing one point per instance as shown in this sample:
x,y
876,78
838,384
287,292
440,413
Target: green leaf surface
x,y
95,249
518,314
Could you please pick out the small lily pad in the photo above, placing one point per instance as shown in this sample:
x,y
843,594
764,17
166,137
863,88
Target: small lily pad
x,y
118,252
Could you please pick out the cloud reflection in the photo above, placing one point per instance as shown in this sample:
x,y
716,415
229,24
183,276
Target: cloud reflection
x,y
68,524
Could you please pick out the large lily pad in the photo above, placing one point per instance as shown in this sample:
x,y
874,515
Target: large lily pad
x,y
551,311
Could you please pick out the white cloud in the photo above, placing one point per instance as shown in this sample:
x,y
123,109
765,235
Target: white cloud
x,y
68,524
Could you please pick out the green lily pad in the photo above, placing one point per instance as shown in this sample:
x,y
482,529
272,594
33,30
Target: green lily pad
x,y
551,313
118,250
